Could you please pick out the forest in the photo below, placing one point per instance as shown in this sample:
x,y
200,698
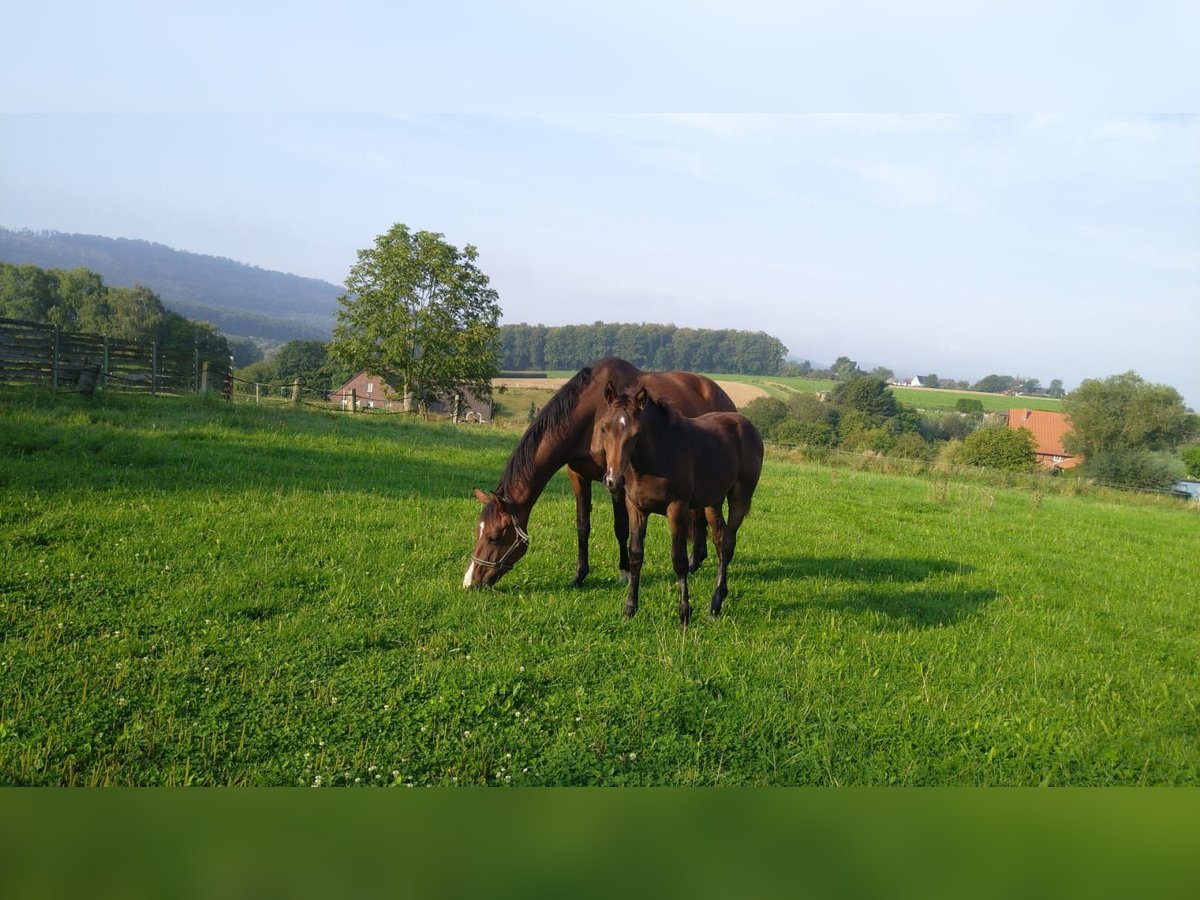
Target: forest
x,y
662,347
79,300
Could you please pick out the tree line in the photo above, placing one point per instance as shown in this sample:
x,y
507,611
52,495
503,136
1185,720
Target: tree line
x,y
648,346
79,300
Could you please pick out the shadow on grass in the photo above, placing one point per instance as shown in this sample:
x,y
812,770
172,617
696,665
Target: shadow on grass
x,y
184,444
901,589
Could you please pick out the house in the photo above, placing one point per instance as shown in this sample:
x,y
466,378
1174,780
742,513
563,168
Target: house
x,y
372,392
1048,429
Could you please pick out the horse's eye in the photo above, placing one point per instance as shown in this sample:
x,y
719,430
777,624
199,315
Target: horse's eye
x,y
604,429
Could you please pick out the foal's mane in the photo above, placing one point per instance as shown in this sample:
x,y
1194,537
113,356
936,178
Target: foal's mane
x,y
664,406
554,420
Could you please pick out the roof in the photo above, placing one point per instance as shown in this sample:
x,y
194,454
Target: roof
x,y
1048,429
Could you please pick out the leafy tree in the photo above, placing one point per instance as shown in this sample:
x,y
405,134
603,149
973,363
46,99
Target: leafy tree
x,y
968,405
419,313
306,359
845,369
244,352
994,384
1132,468
1030,385
1056,388
1000,447
930,380
765,413
795,369
1191,460
1124,412
867,394
812,434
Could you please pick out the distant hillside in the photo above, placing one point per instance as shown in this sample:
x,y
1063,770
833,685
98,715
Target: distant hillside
x,y
240,300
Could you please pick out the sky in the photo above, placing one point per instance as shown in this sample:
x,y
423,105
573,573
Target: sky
x,y
1000,238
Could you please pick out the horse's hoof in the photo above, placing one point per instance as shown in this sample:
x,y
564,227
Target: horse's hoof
x,y
630,611
577,581
624,574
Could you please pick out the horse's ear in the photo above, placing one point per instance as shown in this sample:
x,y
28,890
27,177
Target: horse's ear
x,y
639,400
610,393
483,498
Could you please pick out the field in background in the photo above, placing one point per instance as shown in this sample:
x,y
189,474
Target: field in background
x,y
922,398
197,594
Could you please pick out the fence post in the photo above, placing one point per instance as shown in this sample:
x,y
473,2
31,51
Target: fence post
x,y
204,377
296,390
353,400
200,386
104,374
54,364
257,390
153,368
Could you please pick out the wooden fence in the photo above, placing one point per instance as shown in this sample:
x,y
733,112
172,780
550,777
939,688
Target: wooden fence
x,y
31,352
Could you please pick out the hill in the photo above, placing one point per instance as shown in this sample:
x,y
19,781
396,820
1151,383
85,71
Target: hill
x,y
239,299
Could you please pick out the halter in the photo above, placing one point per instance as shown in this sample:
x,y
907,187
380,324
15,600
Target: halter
x,y
522,538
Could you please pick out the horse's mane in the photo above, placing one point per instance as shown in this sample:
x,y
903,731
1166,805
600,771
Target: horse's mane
x,y
553,420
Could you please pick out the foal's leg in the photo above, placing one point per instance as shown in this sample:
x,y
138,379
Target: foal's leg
x,y
699,540
582,488
739,506
621,529
679,516
637,551
717,523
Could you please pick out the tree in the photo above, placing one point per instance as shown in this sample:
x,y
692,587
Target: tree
x,y
866,394
1056,388
1124,412
420,314
1191,459
1000,447
844,369
994,384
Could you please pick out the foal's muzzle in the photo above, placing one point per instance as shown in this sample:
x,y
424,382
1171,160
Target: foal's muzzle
x,y
614,485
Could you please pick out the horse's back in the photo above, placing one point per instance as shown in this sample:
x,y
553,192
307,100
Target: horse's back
x,y
739,435
689,393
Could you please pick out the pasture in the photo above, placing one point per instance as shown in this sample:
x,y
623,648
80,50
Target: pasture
x,y
199,593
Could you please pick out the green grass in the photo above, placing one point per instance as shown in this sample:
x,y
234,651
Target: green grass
x,y
197,594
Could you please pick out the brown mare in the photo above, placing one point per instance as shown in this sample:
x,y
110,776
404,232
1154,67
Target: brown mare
x,y
672,465
564,434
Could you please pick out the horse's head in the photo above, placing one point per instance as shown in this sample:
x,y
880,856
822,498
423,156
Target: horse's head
x,y
620,428
499,540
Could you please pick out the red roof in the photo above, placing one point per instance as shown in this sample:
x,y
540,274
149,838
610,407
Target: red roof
x,y
1048,429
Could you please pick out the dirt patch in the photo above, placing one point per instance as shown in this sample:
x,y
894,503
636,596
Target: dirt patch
x,y
738,392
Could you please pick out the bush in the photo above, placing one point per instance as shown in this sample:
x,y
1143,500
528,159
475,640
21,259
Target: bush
x,y
765,413
798,433
1133,469
1000,447
1191,460
968,405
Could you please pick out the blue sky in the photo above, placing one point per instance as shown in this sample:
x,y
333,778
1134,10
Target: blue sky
x,y
999,239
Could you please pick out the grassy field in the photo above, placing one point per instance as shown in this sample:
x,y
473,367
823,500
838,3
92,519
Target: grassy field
x,y
197,594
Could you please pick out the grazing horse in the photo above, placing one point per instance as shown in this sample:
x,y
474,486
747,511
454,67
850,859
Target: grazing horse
x,y
669,464
564,434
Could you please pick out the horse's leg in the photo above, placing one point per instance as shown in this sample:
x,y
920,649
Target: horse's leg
x,y
637,552
739,506
582,488
679,517
699,540
717,523
621,529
